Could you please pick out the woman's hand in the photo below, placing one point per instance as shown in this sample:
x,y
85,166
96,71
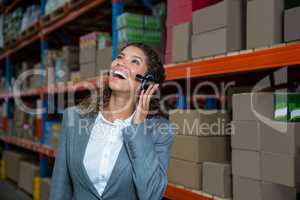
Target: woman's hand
x,y
142,109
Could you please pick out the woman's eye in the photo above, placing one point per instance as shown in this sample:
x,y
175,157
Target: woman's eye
x,y
119,57
136,62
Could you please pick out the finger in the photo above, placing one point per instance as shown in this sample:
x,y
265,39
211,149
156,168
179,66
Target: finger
x,y
149,97
153,89
146,95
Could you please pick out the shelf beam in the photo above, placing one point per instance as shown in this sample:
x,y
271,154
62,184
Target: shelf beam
x,y
248,62
175,193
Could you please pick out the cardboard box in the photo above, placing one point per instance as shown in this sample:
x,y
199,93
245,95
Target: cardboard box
x,y
291,28
130,20
28,171
246,135
281,169
12,164
215,42
185,173
281,138
199,149
217,179
181,42
87,70
87,54
246,164
104,59
45,188
71,57
200,122
264,22
227,13
253,106
249,189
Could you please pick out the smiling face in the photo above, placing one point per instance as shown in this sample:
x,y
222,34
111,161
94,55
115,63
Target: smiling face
x,y
130,62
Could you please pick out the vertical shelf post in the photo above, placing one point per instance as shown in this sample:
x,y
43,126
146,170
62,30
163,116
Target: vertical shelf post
x,y
44,165
8,101
117,9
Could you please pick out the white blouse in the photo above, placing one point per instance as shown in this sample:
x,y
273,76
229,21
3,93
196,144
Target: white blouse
x,y
102,150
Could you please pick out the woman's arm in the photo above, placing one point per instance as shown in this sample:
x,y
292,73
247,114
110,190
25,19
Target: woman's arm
x,y
149,158
61,185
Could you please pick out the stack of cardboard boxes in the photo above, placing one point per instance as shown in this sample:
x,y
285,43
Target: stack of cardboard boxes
x,y
28,171
264,22
45,188
199,138
217,29
94,57
70,55
179,12
104,53
139,28
200,37
264,152
60,64
291,30
21,169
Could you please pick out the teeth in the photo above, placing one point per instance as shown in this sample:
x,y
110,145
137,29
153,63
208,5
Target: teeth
x,y
121,74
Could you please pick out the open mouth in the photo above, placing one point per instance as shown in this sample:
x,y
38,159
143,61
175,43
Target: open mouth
x,y
120,75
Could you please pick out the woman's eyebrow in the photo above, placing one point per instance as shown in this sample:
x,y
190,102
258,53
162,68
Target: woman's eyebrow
x,y
138,58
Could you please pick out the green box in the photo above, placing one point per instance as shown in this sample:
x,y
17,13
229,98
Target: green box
x,y
291,4
128,35
152,37
130,20
152,23
287,107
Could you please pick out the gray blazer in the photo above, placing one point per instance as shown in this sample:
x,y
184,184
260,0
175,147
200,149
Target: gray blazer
x,y
139,173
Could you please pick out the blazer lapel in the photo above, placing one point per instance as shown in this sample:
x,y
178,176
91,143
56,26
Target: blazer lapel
x,y
79,148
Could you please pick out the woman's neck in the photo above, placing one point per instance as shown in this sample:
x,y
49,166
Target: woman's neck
x,y
120,106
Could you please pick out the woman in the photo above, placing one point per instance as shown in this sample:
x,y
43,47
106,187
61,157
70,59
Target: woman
x,y
120,149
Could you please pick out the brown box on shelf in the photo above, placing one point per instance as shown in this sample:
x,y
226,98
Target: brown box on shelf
x,y
104,59
246,164
12,164
71,57
217,179
181,42
185,173
45,188
87,70
215,42
249,189
281,169
280,137
291,27
28,171
264,22
200,122
246,135
226,13
199,149
252,106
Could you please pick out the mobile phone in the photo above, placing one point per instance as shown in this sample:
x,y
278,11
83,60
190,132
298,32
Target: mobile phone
x,y
146,80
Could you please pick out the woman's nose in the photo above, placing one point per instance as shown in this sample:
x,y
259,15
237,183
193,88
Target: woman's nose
x,y
120,62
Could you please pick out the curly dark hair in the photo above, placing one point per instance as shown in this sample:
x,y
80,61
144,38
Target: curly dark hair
x,y
155,66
